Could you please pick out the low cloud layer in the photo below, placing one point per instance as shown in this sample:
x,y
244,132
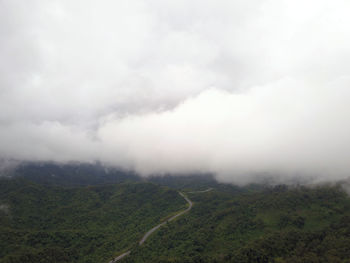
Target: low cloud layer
x,y
242,90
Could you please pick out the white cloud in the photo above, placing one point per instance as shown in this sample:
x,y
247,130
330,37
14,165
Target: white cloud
x,y
232,87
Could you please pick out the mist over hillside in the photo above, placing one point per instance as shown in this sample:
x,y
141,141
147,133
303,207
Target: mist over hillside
x,y
75,217
179,131
82,174
241,90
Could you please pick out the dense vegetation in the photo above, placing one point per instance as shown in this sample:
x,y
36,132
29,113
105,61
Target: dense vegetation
x,y
86,224
85,213
74,174
270,225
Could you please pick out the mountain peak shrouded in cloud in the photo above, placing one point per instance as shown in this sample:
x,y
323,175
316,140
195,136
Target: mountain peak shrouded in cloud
x,y
237,89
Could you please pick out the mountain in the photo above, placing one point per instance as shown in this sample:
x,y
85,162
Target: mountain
x,y
88,213
276,224
73,174
40,223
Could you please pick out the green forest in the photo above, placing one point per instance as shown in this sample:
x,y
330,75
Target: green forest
x,y
87,224
274,224
46,221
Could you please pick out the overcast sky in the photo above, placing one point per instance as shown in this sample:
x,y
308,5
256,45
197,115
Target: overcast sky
x,y
242,89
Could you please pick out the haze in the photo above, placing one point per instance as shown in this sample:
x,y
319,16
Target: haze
x,y
241,89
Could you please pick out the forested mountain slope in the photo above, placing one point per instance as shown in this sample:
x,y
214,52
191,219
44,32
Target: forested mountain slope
x,y
86,224
271,225
51,213
73,174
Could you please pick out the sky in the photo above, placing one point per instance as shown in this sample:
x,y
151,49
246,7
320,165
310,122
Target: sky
x,y
241,89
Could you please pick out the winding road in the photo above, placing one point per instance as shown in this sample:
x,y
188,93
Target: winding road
x,y
204,191
144,238
190,204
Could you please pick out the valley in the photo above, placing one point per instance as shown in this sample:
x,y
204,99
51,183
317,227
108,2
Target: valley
x,y
174,219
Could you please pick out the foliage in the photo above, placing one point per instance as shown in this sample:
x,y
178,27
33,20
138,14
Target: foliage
x,y
71,218
85,224
267,225
74,174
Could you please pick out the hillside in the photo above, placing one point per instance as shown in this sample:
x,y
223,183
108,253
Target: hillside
x,y
86,224
69,218
70,175
270,225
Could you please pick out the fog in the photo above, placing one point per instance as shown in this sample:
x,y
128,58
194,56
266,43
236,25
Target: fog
x,y
243,90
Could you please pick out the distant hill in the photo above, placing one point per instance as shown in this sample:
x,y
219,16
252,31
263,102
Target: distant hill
x,y
83,174
88,213
74,174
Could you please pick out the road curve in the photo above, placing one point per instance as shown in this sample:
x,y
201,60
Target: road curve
x,y
120,257
190,204
144,238
204,191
